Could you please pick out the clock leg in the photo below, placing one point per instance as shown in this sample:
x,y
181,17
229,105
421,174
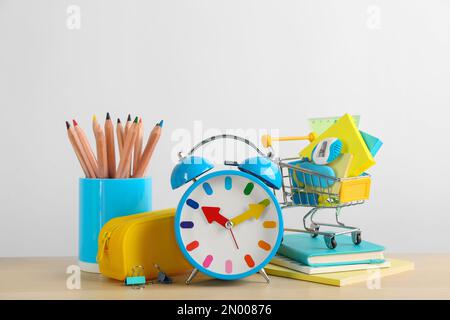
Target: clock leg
x,y
263,273
191,276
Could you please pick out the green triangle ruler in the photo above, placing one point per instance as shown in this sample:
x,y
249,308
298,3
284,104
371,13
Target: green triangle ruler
x,y
320,125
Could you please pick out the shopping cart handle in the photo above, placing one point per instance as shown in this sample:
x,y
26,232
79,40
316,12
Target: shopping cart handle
x,y
266,139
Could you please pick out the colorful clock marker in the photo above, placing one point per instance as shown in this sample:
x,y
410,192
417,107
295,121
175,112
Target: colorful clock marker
x,y
228,266
193,204
264,245
228,183
249,260
269,224
208,189
207,262
249,188
187,224
193,245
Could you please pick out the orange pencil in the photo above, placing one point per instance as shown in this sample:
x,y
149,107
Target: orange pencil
x,y
137,152
125,160
100,141
110,147
76,145
148,151
91,161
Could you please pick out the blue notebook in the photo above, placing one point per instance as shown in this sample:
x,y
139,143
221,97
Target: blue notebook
x,y
313,252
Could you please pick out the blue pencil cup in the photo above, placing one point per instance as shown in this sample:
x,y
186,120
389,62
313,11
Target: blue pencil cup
x,y
102,200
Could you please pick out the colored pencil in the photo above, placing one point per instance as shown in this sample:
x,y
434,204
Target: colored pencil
x,y
76,145
148,151
125,160
127,129
110,147
120,133
100,142
127,126
137,151
91,161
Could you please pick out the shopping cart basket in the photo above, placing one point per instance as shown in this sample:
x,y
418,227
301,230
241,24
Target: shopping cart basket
x,y
305,188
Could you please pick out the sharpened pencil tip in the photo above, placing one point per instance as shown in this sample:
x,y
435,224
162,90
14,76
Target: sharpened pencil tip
x,y
94,118
108,116
129,117
136,120
75,123
67,125
161,123
118,120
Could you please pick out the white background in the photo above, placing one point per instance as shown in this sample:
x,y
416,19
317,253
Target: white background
x,y
230,64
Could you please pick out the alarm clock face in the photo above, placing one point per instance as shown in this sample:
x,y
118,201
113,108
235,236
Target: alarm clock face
x,y
228,224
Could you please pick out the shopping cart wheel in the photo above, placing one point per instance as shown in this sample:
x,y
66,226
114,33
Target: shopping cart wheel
x,y
315,227
330,241
356,237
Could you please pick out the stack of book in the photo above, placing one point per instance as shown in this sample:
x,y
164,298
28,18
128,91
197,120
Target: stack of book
x,y
303,257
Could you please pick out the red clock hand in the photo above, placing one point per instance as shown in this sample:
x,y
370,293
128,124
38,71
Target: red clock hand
x,y
234,239
212,214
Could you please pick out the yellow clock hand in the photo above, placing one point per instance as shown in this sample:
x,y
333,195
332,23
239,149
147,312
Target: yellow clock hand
x,y
255,211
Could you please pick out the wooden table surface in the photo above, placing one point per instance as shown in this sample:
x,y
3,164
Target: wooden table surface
x,y
45,278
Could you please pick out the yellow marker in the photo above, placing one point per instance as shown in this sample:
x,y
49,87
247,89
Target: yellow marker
x,y
255,211
266,139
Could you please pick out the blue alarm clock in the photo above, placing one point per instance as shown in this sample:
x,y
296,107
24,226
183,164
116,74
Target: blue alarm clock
x,y
228,223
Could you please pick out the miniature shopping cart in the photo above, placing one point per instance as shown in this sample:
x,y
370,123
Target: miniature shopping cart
x,y
305,188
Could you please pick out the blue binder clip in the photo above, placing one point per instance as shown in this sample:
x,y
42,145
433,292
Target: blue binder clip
x,y
162,277
137,278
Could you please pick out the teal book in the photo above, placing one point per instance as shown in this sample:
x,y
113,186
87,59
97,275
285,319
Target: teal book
x,y
313,252
373,144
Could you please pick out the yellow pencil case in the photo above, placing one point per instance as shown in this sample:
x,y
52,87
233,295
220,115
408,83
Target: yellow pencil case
x,y
143,240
